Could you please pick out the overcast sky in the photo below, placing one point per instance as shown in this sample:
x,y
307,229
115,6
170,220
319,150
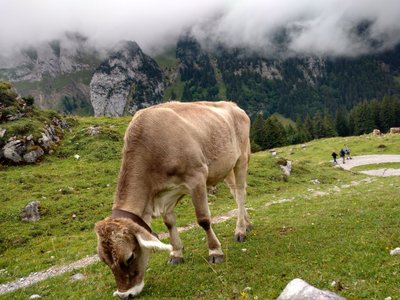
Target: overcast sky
x,y
321,27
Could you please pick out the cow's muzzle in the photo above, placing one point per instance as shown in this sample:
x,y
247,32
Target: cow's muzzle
x,y
132,292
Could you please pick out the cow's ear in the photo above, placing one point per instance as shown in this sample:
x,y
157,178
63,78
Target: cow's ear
x,y
148,241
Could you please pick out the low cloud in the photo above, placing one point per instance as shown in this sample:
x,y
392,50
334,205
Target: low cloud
x,y
296,27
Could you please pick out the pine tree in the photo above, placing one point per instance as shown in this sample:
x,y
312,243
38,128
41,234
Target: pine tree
x,y
386,117
275,133
302,134
361,118
318,130
329,128
396,111
292,136
308,127
342,123
258,132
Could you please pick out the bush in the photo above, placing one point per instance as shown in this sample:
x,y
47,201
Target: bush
x,y
29,100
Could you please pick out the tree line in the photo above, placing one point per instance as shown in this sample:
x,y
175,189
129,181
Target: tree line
x,y
269,132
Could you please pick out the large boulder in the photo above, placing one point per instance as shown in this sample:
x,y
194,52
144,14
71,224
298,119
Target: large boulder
x,y
14,150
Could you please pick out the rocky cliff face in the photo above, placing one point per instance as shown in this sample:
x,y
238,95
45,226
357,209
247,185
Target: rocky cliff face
x,y
125,82
56,73
58,57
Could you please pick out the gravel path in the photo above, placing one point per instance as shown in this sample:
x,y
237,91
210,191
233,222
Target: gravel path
x,y
373,159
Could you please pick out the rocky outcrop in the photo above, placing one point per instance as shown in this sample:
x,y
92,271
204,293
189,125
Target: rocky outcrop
x,y
125,82
27,149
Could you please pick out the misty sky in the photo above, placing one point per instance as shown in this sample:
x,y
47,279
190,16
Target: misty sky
x,y
321,27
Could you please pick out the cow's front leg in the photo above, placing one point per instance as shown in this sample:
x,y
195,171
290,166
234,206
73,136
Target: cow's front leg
x,y
200,202
176,255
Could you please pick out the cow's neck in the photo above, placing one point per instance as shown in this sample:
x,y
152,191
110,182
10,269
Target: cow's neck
x,y
132,195
118,213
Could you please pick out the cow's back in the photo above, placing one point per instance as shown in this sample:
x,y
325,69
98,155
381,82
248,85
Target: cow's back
x,y
174,137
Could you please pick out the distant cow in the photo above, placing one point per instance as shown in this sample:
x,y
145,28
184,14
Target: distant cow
x,y
376,132
170,150
395,130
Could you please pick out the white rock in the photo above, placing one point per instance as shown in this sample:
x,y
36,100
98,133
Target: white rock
x,y
77,156
315,181
287,169
395,251
78,276
298,289
2,132
35,296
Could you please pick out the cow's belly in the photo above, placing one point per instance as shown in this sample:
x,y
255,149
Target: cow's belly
x,y
165,201
219,169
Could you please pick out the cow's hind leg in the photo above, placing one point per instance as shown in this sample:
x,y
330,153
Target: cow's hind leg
x,y
237,184
200,202
176,256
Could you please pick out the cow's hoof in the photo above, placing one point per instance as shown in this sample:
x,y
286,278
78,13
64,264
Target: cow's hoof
x,y
214,259
240,238
173,260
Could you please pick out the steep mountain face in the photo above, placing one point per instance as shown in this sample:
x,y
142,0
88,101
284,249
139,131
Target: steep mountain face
x,y
125,82
51,59
56,73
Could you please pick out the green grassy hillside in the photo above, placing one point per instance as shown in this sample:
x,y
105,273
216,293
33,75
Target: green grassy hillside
x,y
326,224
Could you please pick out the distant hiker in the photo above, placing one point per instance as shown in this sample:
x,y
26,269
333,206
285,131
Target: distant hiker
x,y
347,151
334,155
342,154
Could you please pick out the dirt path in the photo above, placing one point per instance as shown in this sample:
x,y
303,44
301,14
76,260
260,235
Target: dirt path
x,y
373,159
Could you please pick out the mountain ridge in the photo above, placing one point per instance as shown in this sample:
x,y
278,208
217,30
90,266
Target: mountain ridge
x,y
293,87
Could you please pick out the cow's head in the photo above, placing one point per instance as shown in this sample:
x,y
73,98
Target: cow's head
x,y
125,247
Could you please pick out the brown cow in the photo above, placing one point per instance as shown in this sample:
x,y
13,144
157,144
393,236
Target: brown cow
x,y
170,150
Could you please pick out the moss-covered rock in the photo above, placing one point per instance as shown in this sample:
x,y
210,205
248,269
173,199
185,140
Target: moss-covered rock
x,y
26,132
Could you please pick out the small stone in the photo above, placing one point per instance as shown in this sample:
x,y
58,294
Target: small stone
x,y
2,132
77,277
74,216
77,156
31,212
287,168
395,251
94,130
33,156
35,296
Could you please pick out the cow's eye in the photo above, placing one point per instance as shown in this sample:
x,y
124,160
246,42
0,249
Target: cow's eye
x,y
130,260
